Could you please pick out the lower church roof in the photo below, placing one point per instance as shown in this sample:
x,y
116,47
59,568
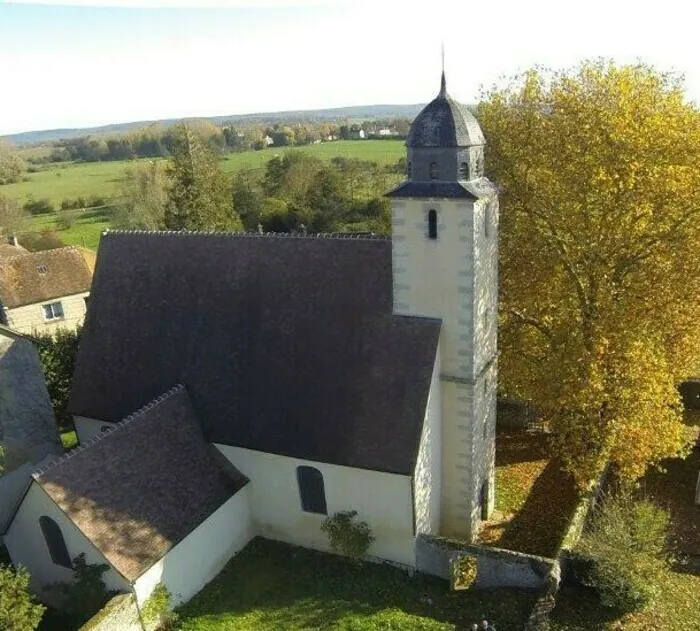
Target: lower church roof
x,y
141,488
287,345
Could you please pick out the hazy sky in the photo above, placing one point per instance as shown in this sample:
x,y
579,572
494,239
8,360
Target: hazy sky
x,y
84,65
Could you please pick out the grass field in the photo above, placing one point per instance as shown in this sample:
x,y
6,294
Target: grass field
x,y
70,180
272,586
86,230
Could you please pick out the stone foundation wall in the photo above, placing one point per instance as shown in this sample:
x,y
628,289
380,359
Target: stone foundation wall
x,y
119,614
495,567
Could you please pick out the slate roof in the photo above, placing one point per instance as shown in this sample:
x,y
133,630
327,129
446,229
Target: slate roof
x,y
445,123
474,189
287,344
141,488
34,277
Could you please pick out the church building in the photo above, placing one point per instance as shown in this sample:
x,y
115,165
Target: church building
x,y
237,385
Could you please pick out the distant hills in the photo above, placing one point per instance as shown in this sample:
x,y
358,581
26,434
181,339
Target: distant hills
x,y
355,112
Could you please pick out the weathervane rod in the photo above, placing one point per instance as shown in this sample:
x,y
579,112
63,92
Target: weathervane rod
x,y
442,50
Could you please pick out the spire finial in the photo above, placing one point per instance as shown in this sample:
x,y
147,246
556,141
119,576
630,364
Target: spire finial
x,y
443,83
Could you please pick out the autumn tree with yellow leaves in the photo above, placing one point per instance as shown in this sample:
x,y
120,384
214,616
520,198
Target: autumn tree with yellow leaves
x,y
599,172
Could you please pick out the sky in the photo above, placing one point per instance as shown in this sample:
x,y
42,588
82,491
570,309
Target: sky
x,y
77,63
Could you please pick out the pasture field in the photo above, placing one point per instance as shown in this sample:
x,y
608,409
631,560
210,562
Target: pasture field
x,y
70,180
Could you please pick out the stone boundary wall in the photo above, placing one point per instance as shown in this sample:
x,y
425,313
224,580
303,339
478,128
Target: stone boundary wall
x,y
119,614
495,567
546,600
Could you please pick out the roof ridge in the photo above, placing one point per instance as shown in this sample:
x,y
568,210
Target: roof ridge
x,y
127,420
255,235
27,253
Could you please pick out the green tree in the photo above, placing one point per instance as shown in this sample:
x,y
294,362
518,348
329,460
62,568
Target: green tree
x,y
142,197
18,610
600,257
199,196
13,218
11,165
57,354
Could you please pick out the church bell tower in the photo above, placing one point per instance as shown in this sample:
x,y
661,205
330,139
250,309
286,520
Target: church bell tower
x,y
445,265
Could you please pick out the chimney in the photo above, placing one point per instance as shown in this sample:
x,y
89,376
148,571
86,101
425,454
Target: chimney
x,y
12,240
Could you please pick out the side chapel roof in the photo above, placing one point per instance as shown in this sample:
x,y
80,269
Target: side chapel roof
x,y
138,490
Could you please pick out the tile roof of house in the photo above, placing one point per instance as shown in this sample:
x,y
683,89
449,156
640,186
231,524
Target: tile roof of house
x,y
7,250
142,487
287,345
34,277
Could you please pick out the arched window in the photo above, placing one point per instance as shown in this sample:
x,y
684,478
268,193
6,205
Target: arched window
x,y
55,542
409,169
463,171
487,219
432,224
311,490
433,171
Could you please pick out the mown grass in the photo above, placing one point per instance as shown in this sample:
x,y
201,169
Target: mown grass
x,y
535,500
71,180
85,231
276,586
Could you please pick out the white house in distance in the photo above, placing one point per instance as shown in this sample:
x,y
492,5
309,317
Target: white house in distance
x,y
284,378
43,291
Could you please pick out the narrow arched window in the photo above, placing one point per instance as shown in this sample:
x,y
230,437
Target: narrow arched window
x,y
409,169
463,171
433,171
311,490
432,224
55,542
487,220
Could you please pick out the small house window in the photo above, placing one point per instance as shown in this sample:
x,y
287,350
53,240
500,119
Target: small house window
x,y
432,224
311,490
55,542
433,171
463,171
53,311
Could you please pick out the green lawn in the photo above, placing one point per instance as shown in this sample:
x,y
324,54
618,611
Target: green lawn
x,y
275,586
86,230
71,180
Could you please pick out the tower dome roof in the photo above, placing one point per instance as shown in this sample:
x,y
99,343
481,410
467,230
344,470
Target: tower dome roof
x,y
445,123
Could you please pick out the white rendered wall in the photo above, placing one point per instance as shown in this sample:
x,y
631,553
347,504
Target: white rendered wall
x,y
427,486
88,428
383,500
30,318
26,545
455,278
196,560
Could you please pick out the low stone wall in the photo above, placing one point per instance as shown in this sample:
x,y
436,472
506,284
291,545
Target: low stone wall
x,y
546,600
495,567
119,614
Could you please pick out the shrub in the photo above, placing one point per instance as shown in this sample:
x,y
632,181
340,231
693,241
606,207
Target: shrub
x,y
622,555
67,219
18,611
41,206
463,570
158,608
45,240
347,536
86,594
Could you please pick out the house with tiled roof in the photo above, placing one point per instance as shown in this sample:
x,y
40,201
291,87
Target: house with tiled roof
x,y
285,378
43,291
